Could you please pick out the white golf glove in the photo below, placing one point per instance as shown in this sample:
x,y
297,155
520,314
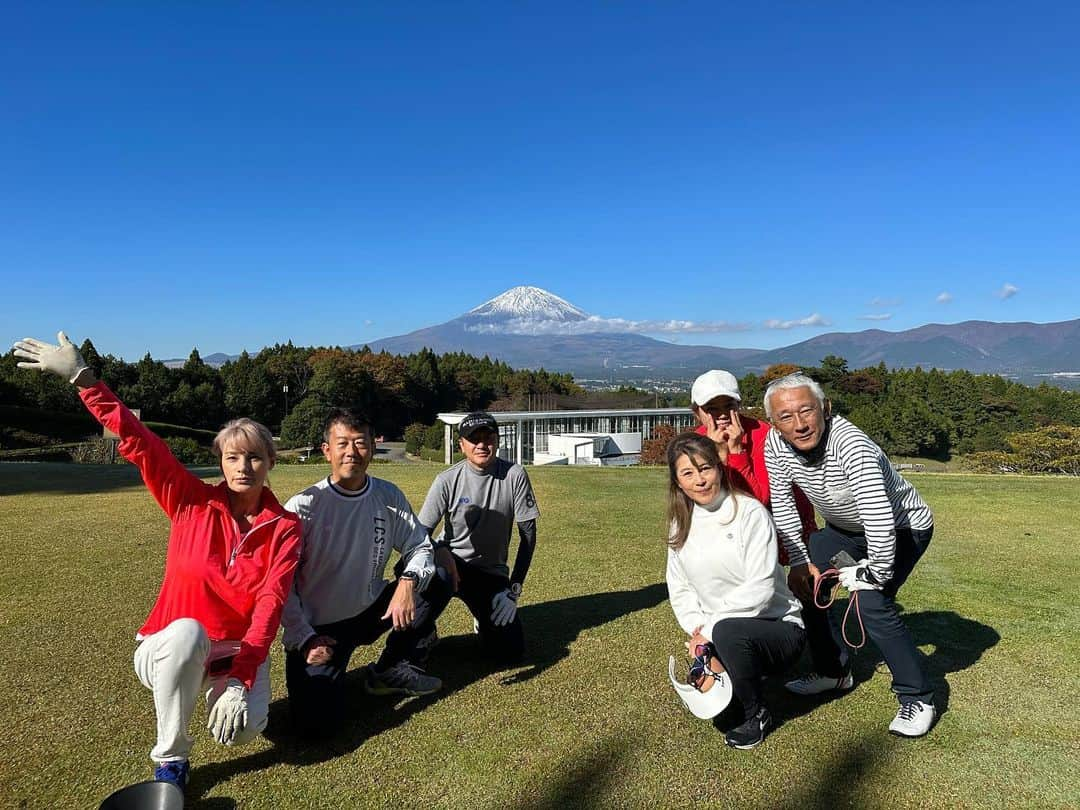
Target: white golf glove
x,y
229,714
504,606
63,360
859,577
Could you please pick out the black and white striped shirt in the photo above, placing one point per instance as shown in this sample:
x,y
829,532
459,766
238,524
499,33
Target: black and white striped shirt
x,y
853,486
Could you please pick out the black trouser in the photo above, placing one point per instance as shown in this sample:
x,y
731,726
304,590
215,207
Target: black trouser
x,y
317,691
750,648
477,588
878,608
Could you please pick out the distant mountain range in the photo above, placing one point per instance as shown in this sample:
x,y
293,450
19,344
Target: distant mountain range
x,y
531,328
528,327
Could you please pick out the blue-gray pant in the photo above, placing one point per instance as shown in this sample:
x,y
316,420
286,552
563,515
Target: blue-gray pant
x,y
878,608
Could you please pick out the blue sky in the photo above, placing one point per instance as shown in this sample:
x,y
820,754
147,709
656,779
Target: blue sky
x,y
232,175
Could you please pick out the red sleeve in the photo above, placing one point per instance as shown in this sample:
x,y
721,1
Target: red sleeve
x,y
742,466
167,479
750,464
269,601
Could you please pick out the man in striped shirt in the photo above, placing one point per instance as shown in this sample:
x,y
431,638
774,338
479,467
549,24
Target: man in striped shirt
x,y
873,514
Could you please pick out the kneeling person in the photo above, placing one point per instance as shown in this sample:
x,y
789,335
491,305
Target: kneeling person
x,y
479,499
340,598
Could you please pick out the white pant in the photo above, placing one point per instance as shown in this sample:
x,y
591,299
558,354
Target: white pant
x,y
173,663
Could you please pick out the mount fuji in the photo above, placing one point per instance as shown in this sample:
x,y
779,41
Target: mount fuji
x,y
528,327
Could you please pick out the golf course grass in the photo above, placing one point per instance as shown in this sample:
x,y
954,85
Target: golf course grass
x,y
591,720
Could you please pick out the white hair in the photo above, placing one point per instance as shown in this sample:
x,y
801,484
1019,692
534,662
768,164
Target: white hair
x,y
796,380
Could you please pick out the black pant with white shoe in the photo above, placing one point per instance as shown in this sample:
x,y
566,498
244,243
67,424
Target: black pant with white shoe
x,y
878,609
749,648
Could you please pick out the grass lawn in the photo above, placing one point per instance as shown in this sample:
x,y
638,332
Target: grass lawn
x,y
592,720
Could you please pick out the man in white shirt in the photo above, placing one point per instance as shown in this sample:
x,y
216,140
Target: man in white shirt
x,y
340,598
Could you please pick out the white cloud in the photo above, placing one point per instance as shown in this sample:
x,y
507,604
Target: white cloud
x,y
944,297
369,323
812,320
1007,291
594,324
884,316
884,302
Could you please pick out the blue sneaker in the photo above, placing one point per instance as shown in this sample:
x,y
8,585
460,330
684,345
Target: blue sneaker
x,y
175,773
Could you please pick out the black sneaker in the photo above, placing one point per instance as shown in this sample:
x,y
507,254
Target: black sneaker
x,y
751,733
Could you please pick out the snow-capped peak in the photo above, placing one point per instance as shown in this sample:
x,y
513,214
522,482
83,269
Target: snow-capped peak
x,y
529,303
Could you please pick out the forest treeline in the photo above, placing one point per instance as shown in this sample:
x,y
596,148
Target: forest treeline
x,y
287,387
909,412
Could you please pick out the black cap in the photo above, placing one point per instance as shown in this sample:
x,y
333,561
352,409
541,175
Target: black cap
x,y
477,420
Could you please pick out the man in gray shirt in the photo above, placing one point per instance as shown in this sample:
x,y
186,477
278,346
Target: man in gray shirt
x,y
478,500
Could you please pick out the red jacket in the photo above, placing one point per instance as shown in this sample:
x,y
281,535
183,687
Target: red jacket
x,y
748,468
241,599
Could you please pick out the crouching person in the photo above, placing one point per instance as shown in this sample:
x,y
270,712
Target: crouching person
x,y
232,553
727,588
340,599
478,500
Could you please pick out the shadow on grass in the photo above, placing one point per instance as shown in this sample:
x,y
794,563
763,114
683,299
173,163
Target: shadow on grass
x,y
837,782
551,627
26,478
459,661
591,777
958,643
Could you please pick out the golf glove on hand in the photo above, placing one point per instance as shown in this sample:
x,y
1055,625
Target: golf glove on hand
x,y
859,577
63,360
229,714
504,607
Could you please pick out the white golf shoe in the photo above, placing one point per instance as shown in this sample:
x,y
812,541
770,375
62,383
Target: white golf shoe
x,y
913,719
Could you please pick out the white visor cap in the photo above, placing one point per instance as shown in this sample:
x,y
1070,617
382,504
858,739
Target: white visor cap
x,y
713,384
705,705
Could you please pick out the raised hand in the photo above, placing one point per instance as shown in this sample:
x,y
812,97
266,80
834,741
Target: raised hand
x,y
63,360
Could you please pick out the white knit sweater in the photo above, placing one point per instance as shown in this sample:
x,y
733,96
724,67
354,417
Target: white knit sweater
x,y
728,567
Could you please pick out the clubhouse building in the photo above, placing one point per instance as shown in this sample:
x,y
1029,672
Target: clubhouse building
x,y
596,438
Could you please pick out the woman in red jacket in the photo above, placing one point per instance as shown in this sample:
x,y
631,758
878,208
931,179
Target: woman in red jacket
x,y
740,441
229,566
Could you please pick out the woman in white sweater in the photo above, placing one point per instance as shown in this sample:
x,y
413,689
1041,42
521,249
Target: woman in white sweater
x,y
725,583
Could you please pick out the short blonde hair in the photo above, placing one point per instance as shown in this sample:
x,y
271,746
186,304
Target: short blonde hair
x,y
248,431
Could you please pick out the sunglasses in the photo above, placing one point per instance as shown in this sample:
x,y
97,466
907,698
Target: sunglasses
x,y
699,667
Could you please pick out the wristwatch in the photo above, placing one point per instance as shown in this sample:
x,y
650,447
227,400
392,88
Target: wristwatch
x,y
410,575
515,589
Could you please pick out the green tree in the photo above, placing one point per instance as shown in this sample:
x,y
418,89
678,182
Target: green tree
x,y
249,390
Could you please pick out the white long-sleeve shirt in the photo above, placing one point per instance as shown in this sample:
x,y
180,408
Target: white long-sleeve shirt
x,y
728,567
347,541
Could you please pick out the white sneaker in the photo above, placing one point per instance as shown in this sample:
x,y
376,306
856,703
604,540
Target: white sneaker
x,y
402,678
913,719
814,684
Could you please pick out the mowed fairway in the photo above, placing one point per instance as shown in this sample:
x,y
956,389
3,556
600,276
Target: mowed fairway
x,y
592,722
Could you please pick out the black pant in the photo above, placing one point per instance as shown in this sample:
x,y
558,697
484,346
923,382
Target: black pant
x,y
878,609
477,588
750,648
317,691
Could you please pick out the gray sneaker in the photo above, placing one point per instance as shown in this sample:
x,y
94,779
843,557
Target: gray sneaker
x,y
402,678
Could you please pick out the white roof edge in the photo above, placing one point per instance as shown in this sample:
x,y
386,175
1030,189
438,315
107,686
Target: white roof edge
x,y
454,417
